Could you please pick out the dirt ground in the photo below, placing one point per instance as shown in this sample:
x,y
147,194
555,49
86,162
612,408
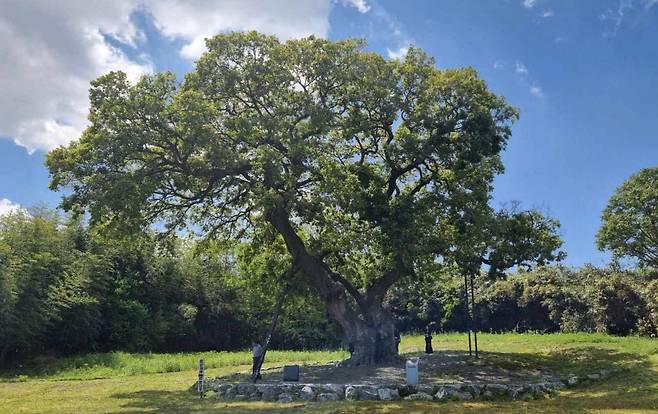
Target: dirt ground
x,y
439,367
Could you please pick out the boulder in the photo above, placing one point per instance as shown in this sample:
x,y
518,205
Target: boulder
x,y
572,380
351,393
514,391
245,388
224,390
525,396
419,396
269,392
427,389
367,393
285,398
497,390
327,396
537,390
594,377
307,393
337,389
406,390
388,394
557,385
452,393
474,389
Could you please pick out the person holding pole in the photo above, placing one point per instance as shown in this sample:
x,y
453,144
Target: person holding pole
x,y
257,354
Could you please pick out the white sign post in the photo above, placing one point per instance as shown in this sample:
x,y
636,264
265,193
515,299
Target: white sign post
x,y
202,378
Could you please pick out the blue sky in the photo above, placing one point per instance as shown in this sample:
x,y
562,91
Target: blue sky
x,y
584,75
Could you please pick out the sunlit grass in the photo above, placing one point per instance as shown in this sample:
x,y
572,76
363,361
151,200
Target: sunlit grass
x,y
121,364
132,384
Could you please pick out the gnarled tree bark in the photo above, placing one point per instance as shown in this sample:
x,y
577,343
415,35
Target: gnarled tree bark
x,y
366,324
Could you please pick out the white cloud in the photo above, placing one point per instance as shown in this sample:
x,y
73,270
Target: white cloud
x,y
360,5
616,16
525,79
398,54
50,52
521,69
498,65
529,4
559,39
194,21
537,91
7,207
650,3
547,13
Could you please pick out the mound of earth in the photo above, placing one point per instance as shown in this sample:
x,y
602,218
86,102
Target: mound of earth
x,y
440,367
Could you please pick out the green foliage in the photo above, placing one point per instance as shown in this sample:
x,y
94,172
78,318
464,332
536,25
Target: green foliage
x,y
630,220
68,288
546,299
521,239
371,162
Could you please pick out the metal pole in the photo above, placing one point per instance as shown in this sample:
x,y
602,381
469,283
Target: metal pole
x,y
468,318
275,318
475,324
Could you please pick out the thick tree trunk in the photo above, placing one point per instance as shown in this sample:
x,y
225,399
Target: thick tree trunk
x,y
373,339
369,328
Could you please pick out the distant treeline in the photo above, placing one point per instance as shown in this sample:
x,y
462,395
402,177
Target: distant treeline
x,y
547,299
66,288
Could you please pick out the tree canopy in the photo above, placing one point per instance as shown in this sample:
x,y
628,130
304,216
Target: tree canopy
x,y
368,169
630,220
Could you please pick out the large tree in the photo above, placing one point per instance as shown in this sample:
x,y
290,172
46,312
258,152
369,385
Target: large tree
x,y
630,220
365,167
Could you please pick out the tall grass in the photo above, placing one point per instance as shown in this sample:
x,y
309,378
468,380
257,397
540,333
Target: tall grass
x,y
117,364
572,352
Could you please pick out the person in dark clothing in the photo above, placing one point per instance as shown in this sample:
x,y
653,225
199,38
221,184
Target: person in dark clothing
x,y
397,342
350,348
428,342
257,354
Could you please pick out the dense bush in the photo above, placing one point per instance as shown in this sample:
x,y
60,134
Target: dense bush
x,y
547,299
65,288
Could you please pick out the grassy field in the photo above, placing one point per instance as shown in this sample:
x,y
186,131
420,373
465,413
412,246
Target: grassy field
x,y
127,383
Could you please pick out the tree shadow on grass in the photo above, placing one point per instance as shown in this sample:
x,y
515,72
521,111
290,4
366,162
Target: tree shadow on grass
x,y
633,386
455,366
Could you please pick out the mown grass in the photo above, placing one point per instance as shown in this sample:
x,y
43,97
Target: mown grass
x,y
634,389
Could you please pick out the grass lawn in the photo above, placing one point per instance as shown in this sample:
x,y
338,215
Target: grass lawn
x,y
128,383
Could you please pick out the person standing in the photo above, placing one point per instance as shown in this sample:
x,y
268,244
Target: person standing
x,y
428,342
257,354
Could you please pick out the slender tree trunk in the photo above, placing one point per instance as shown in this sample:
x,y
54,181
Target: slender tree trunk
x,y
366,324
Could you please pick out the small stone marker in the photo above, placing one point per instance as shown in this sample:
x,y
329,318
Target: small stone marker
x,y
412,371
291,373
202,377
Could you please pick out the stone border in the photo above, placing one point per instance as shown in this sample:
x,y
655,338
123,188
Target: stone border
x,y
289,392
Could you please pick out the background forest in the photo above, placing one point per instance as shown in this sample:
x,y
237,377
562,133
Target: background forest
x,y
67,288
